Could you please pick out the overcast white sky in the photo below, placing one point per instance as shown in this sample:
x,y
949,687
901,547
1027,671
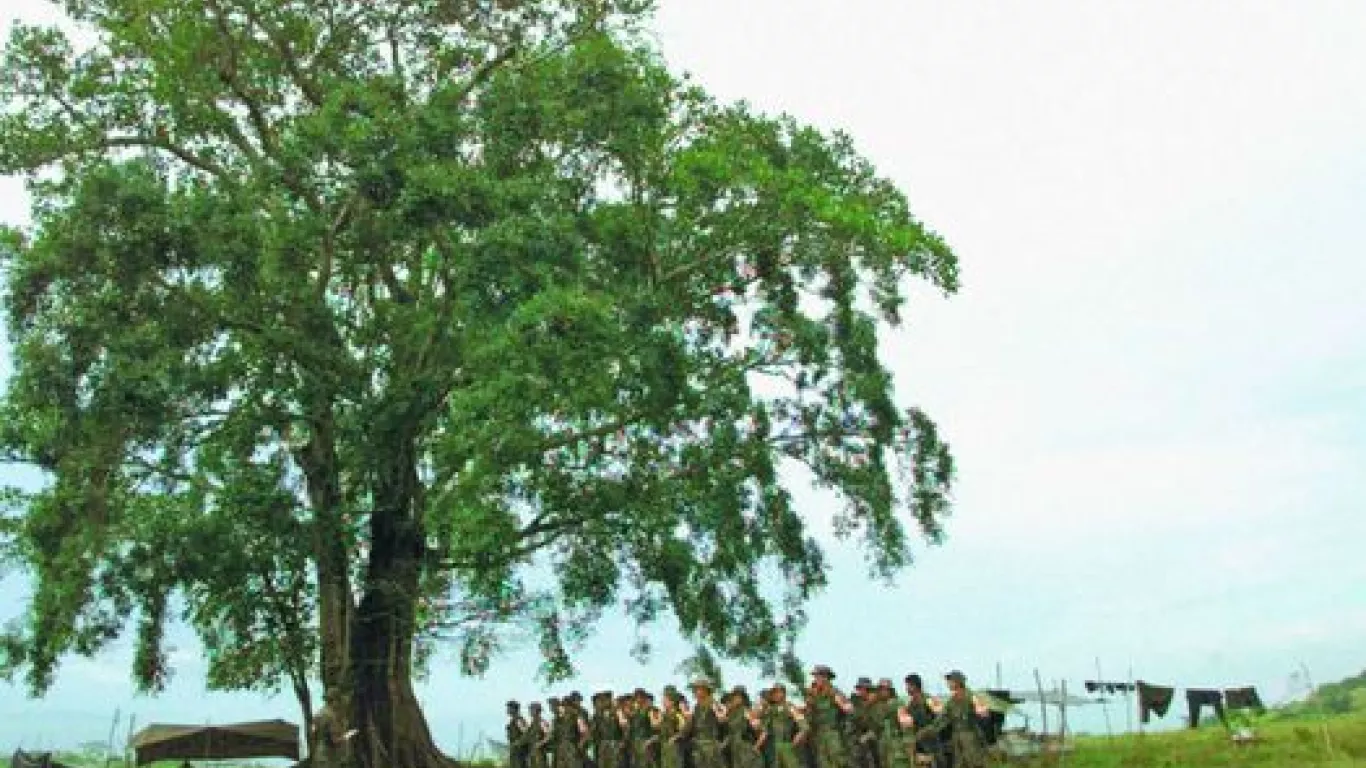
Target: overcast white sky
x,y
1154,377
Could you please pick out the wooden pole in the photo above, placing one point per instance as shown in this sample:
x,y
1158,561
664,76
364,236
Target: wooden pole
x,y
1043,704
1129,713
1062,729
1062,710
128,742
1104,700
109,745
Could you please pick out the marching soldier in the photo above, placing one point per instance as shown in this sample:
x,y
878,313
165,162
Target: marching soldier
x,y
916,714
516,726
959,718
784,729
609,731
704,728
741,730
535,738
887,726
571,733
669,723
553,737
862,738
826,710
641,730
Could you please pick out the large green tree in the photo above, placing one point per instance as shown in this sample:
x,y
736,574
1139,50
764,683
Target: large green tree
x,y
472,304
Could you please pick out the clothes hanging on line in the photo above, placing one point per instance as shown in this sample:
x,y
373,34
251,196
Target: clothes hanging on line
x,y
1094,686
995,722
1197,699
1153,700
1003,695
1243,698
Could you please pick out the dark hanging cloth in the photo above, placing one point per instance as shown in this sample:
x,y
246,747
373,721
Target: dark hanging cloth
x,y
1154,700
994,724
1004,695
1092,686
1197,699
1243,698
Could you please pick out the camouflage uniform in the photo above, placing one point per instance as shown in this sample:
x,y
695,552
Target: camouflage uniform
x,y
921,715
826,719
569,735
959,718
783,727
517,753
704,732
887,727
608,735
552,736
739,733
642,735
859,728
671,728
533,741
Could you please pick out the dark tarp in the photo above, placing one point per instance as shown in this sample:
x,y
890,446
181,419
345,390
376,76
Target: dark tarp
x,y
22,759
267,738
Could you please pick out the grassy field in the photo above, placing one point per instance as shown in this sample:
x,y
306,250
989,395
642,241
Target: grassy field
x,y
1299,743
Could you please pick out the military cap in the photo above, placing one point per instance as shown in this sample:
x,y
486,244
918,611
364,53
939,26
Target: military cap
x,y
514,705
701,682
534,706
602,696
641,693
739,692
553,700
574,697
671,691
886,684
821,670
957,677
863,682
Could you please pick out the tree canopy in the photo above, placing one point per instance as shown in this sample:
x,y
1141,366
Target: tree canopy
x,y
399,308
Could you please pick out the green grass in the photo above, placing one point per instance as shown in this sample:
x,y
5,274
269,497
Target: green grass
x,y
1298,742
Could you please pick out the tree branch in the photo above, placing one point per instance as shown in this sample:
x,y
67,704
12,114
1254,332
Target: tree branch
x,y
162,143
228,75
486,70
310,90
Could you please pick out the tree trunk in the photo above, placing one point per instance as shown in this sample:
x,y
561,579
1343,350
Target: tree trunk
x,y
393,731
336,610
320,465
305,696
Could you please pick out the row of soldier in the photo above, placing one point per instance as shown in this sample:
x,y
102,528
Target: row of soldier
x,y
873,728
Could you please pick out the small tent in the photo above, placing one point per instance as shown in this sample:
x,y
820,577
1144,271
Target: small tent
x,y
266,738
